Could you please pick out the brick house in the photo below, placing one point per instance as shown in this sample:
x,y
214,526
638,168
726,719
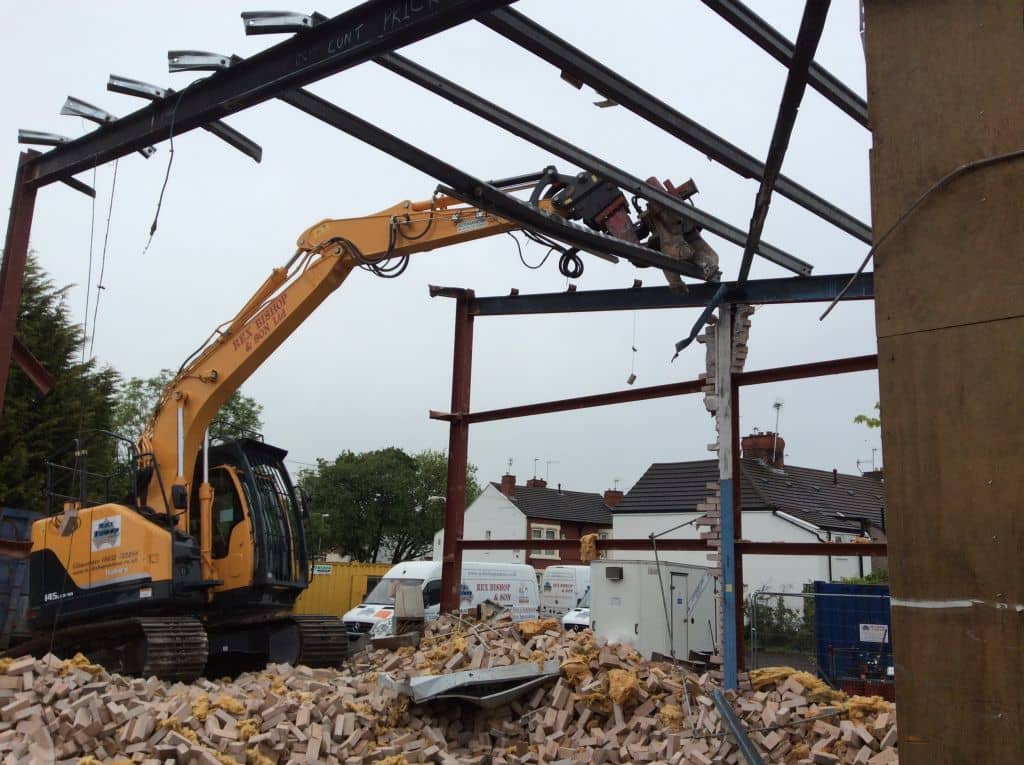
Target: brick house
x,y
781,503
507,510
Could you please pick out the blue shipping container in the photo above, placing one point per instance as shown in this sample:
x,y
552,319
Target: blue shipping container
x,y
853,627
15,525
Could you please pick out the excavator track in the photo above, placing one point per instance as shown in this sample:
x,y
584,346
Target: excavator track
x,y
324,641
172,648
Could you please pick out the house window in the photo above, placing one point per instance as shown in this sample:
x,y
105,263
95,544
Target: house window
x,y
487,534
603,535
541,531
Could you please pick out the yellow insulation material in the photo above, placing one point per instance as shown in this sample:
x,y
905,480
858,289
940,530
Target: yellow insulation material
x,y
759,678
228,704
247,729
173,723
5,664
671,716
622,685
817,690
201,707
533,627
78,661
398,759
859,707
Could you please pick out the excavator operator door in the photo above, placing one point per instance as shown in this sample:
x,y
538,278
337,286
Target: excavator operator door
x,y
232,548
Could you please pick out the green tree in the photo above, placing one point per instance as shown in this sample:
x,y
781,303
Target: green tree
x,y
379,504
868,420
136,397
34,428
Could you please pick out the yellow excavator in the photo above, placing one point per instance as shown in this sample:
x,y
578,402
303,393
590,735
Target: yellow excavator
x,y
207,555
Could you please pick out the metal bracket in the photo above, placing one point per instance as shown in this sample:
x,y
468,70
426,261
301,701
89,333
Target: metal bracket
x,y
196,61
276,22
76,107
715,301
39,138
230,136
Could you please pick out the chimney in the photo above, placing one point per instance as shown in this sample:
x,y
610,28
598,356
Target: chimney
x,y
508,485
876,474
762,446
537,483
835,475
612,497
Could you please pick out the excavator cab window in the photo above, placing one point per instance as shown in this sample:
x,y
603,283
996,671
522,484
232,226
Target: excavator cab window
x,y
227,510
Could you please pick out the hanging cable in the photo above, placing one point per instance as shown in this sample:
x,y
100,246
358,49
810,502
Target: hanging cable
x,y
170,161
522,259
88,278
103,260
965,168
632,359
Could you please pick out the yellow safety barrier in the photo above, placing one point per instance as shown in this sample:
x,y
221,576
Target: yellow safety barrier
x,y
334,588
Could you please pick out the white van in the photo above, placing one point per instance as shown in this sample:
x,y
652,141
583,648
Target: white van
x,y
561,588
513,585
578,619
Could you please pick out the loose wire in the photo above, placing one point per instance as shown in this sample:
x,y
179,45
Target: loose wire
x,y
965,168
103,260
522,259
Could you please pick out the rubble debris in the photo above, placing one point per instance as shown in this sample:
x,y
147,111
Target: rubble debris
x,y
602,704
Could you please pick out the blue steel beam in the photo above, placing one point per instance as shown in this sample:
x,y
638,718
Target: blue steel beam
x,y
809,289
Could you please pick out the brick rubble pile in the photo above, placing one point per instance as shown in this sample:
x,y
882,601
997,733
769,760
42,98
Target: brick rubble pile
x,y
606,706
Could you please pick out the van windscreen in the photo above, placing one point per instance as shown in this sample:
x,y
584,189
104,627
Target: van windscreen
x,y
386,590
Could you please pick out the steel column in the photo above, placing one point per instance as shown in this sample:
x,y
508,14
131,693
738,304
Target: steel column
x,y
12,273
778,47
458,454
726,550
32,367
365,31
737,521
811,26
578,66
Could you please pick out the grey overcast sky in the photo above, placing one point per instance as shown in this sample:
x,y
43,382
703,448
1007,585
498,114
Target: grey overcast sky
x,y
365,369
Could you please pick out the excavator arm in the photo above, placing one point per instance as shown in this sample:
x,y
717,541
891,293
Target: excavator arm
x,y
326,254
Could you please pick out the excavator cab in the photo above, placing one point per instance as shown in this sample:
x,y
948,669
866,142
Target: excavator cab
x,y
258,520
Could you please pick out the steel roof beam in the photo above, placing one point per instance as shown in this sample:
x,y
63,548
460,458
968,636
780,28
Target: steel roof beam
x,y
811,289
479,193
580,67
811,26
520,127
765,36
369,29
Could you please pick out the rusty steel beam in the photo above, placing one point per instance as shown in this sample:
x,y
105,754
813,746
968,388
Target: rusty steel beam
x,y
12,273
32,367
851,549
458,453
814,369
568,404
687,545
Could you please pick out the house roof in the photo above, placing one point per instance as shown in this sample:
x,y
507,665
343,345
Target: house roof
x,y
560,505
805,493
